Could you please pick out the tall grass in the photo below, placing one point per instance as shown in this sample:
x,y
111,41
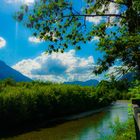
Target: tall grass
x,y
121,130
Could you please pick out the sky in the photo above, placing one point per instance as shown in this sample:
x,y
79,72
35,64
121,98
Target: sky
x,y
25,53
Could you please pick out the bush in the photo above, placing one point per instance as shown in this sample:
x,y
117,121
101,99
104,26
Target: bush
x,y
24,103
134,91
121,130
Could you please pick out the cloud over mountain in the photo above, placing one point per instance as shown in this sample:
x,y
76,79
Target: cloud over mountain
x,y
57,67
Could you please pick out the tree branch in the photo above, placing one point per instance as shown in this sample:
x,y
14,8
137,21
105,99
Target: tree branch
x,y
96,15
84,15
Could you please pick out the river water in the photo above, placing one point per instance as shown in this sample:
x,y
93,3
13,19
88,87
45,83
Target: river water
x,y
88,128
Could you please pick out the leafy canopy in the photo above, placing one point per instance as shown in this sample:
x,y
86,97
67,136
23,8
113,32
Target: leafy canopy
x,y
65,24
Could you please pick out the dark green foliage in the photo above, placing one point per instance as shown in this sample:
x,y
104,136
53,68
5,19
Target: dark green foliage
x,y
116,90
25,103
135,89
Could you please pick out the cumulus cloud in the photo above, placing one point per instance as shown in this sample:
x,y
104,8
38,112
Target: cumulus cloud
x,y
28,2
113,70
57,67
112,9
2,42
117,71
35,39
95,38
95,20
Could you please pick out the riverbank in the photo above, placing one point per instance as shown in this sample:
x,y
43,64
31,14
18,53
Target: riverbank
x,y
85,128
72,117
6,132
58,121
122,130
91,112
29,105
125,131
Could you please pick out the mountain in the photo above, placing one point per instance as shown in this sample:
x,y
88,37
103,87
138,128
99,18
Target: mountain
x,y
8,72
91,82
129,76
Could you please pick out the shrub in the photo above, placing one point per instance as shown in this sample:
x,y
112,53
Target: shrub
x,y
24,103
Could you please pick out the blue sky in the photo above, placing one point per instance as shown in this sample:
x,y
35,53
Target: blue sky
x,y
21,51
16,36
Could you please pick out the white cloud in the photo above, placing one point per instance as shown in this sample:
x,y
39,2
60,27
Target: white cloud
x,y
57,67
2,42
116,71
28,2
112,70
96,38
96,20
35,39
112,9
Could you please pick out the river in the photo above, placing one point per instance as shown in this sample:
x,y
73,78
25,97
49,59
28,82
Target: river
x,y
87,128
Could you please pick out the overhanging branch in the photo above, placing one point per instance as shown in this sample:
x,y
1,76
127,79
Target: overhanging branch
x,y
85,15
96,15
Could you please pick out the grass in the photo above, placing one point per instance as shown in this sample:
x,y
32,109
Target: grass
x,y
122,130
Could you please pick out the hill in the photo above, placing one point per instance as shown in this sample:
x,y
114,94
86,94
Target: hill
x,y
8,72
91,82
129,76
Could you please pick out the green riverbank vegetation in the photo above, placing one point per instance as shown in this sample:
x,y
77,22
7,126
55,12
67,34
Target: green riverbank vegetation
x,y
122,130
26,103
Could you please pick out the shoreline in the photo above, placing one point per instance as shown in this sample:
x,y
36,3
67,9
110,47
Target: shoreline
x,y
86,113
52,122
7,133
80,115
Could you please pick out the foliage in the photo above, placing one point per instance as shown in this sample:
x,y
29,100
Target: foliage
x,y
25,103
126,130
29,102
116,89
58,22
135,90
119,89
122,130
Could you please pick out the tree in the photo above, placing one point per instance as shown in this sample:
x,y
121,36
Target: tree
x,y
58,22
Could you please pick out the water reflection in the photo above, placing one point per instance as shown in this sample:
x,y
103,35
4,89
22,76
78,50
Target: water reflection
x,y
88,128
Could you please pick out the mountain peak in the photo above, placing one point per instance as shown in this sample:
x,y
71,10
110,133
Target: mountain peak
x,y
91,82
8,72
